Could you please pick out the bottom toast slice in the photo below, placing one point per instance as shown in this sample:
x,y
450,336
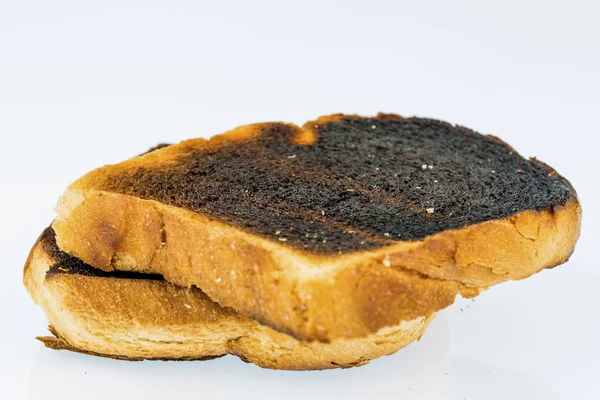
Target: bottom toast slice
x,y
135,316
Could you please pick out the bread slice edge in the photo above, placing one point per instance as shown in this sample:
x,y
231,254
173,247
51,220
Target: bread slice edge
x,y
136,319
311,296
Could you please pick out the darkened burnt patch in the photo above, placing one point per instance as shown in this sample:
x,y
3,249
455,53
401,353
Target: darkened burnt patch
x,y
363,182
67,264
157,147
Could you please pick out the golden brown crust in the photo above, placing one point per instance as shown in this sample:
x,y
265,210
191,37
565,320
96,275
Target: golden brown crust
x,y
135,319
311,296
57,343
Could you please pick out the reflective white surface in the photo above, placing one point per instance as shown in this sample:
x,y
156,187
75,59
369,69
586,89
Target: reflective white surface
x,y
82,85
495,348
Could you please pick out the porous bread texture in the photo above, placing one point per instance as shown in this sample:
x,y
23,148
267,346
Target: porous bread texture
x,y
137,319
307,295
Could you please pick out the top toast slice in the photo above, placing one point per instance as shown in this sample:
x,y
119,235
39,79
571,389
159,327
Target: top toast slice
x,y
334,229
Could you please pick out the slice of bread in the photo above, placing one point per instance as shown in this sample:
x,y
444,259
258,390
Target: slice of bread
x,y
333,230
133,316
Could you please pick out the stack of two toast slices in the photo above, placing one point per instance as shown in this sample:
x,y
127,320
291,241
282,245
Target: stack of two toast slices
x,y
312,247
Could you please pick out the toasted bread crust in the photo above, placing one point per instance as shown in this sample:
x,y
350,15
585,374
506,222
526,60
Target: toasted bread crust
x,y
310,295
136,319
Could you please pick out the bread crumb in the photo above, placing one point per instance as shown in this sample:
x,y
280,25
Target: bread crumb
x,y
386,261
418,187
277,232
430,166
218,280
292,156
424,166
187,306
282,239
373,126
386,234
323,213
430,210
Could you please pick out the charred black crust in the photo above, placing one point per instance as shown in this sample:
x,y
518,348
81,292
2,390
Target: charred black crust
x,y
364,182
64,263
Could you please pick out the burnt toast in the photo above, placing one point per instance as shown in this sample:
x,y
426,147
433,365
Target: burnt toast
x,y
335,229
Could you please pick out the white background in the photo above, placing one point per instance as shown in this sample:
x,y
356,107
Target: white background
x,y
88,83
